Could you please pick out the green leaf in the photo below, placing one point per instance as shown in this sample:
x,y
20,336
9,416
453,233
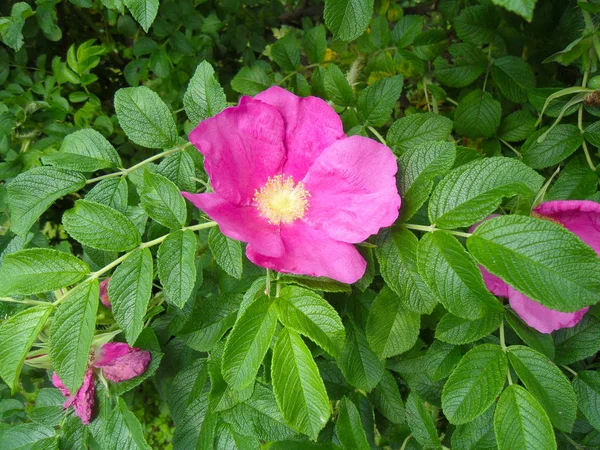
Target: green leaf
x,y
558,143
457,331
32,192
162,200
523,8
348,19
309,314
386,398
520,421
474,190
514,77
337,87
517,126
227,252
143,11
28,436
359,364
101,227
298,386
376,103
421,423
543,343
547,384
406,30
475,383
477,115
477,24
315,44
453,276
316,283
391,327
17,334
477,434
579,342
71,334
39,270
573,183
176,267
204,96
349,428
397,256
145,118
251,81
112,192
417,169
587,387
11,28
430,44
129,291
539,258
468,63
411,131
84,151
124,429
179,168
286,53
248,343
441,360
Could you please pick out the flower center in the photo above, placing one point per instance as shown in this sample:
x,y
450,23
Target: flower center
x,y
280,200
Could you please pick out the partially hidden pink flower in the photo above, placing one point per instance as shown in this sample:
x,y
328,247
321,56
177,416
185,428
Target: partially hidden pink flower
x,y
582,218
104,293
118,362
290,183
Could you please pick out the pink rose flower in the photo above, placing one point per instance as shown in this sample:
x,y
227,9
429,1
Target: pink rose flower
x,y
290,183
118,361
104,293
582,218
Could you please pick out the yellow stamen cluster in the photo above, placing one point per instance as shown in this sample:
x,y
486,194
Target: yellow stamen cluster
x,y
281,201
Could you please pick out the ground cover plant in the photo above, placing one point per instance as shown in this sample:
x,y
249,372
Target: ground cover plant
x,y
299,224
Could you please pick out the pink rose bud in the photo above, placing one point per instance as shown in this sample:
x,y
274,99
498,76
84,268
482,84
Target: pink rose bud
x,y
120,362
83,400
104,293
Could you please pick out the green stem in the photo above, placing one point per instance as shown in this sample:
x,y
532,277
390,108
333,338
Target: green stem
x,y
590,28
487,72
426,95
405,443
568,369
268,283
310,66
432,228
23,302
125,172
512,148
143,245
586,151
502,341
376,133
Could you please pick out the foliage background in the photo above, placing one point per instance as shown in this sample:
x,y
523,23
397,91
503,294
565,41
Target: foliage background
x,y
456,88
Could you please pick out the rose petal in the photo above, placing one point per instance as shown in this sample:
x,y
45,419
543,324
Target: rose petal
x,y
104,293
311,125
125,366
537,316
83,400
353,189
109,352
311,252
242,223
242,148
581,217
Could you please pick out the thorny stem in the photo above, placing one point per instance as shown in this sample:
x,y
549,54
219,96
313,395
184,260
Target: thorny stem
x,y
125,172
432,228
377,135
143,245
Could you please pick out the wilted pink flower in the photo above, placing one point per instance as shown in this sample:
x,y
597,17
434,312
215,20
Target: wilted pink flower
x,y
289,182
104,293
582,218
118,361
